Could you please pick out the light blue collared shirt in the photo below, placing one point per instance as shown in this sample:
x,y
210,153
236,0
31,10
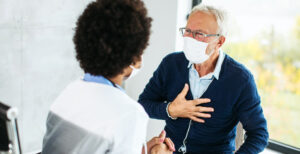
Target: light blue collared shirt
x,y
100,79
198,85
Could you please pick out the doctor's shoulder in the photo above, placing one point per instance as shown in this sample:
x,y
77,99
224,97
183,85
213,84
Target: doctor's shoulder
x,y
135,108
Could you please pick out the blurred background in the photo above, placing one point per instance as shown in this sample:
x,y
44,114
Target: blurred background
x,y
38,57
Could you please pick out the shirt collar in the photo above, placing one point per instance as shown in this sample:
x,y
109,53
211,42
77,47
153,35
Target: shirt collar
x,y
218,67
100,79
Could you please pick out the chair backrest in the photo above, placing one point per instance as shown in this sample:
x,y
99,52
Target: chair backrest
x,y
9,135
240,136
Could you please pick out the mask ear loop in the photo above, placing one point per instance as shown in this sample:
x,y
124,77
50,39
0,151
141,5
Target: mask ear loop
x,y
131,66
213,49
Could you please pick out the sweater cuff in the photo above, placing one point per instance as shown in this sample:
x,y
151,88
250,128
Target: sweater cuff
x,y
168,112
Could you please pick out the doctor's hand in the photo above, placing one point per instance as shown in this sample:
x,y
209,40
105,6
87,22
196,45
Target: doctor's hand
x,y
183,108
161,149
157,141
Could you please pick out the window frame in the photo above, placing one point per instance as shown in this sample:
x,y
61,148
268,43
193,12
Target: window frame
x,y
282,147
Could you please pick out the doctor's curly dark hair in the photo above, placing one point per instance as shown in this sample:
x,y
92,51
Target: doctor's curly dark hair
x,y
110,35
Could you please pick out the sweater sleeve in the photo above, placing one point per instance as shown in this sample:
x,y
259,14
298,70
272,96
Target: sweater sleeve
x,y
251,116
153,98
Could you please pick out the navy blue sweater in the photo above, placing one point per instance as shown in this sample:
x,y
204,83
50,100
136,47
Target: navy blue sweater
x,y
234,98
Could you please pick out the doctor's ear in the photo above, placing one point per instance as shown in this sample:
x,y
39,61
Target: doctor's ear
x,y
127,71
137,61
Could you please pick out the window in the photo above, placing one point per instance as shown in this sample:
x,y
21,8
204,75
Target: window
x,y
265,37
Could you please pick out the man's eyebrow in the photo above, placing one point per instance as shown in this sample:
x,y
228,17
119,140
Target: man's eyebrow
x,y
199,30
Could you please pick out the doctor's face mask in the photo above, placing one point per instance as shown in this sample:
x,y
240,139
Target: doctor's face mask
x,y
135,71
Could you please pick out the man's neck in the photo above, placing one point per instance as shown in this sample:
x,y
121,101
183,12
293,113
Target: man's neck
x,y
208,66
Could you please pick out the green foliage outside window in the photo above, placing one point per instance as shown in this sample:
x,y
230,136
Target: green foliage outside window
x,y
274,60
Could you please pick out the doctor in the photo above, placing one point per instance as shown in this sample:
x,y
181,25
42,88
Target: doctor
x,y
94,114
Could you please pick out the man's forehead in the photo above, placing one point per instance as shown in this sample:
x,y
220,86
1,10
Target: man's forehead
x,y
203,22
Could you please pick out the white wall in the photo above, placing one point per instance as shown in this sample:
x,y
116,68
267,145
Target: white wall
x,y
37,59
183,9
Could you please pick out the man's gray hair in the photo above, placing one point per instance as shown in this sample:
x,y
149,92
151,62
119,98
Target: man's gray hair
x,y
219,14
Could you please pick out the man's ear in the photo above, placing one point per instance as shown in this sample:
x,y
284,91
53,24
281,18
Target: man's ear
x,y
221,41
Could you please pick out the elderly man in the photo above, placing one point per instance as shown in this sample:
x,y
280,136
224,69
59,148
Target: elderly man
x,y
202,93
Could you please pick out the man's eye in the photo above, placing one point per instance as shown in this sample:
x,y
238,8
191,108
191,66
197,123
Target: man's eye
x,y
200,34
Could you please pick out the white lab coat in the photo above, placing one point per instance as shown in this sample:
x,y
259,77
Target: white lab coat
x,y
92,118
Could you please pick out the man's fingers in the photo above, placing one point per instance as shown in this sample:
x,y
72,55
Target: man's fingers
x,y
202,115
184,90
201,101
197,119
170,144
162,135
204,109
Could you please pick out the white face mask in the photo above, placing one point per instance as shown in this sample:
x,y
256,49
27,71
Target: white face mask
x,y
135,70
194,50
